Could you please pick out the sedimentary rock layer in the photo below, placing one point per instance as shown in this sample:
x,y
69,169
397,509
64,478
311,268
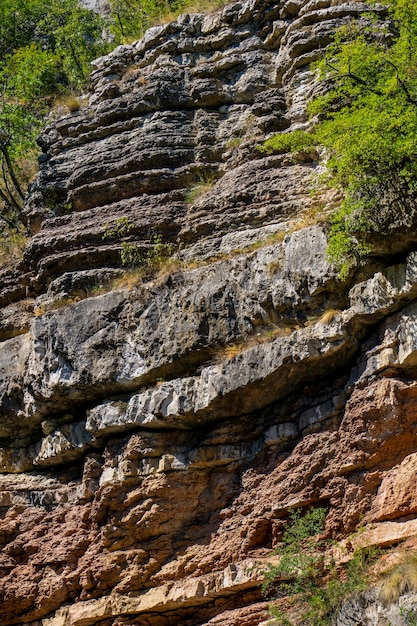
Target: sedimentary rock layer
x,y
155,433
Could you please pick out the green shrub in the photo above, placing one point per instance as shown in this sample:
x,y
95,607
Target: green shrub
x,y
306,572
121,228
132,254
296,141
367,125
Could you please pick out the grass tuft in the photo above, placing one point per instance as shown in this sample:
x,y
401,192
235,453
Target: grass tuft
x,y
328,316
400,579
70,102
229,352
204,185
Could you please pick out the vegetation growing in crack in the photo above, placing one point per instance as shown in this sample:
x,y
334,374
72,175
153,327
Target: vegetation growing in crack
x,y
268,334
134,255
309,575
201,187
367,126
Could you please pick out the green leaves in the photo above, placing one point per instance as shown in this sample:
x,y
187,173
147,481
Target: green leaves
x,y
308,572
298,551
302,528
29,73
367,125
45,49
74,35
55,42
131,18
371,139
296,141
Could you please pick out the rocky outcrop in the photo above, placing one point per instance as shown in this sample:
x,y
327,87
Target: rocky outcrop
x,y
156,430
183,108
100,6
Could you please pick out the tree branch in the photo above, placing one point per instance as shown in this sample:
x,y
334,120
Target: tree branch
x,y
354,77
10,169
76,61
12,200
404,87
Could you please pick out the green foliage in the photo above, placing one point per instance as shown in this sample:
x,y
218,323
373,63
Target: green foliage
x,y
132,254
298,552
74,34
45,49
18,21
304,571
297,141
410,616
47,46
122,227
367,123
280,616
130,18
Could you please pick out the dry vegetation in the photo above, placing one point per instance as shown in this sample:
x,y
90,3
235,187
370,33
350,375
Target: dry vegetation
x,y
269,334
12,245
190,6
400,579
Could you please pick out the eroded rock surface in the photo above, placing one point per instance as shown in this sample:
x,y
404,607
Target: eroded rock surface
x,y
154,434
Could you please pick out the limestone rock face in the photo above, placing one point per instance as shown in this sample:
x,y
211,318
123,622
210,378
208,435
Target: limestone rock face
x,y
100,6
155,431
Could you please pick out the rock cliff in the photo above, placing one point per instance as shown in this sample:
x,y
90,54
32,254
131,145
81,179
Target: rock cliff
x,y
155,432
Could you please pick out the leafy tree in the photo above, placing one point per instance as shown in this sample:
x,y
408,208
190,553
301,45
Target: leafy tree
x,y
130,18
45,49
18,23
367,123
18,128
75,35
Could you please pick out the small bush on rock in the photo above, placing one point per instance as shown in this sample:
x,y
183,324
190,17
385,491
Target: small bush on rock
x,y
310,575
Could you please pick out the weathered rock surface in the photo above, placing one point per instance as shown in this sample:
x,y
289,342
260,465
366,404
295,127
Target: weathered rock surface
x,y
155,433
100,6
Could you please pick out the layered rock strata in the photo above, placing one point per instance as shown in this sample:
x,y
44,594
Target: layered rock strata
x,y
155,434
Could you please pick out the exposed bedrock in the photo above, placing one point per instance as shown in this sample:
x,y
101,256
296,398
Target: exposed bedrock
x,y
155,432
181,109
